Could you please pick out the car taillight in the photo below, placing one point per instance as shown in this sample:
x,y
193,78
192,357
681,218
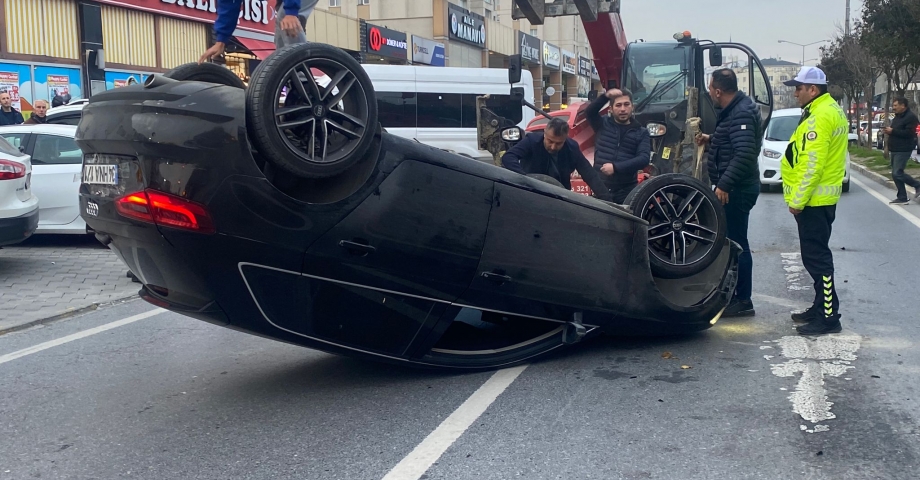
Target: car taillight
x,y
11,170
166,210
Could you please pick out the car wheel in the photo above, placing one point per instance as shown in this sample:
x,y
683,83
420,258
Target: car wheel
x,y
311,110
687,225
205,72
846,186
546,179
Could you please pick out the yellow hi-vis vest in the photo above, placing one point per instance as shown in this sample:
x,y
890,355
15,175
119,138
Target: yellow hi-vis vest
x,y
815,161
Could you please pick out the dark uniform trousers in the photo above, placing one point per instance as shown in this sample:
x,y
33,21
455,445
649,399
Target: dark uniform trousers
x,y
814,237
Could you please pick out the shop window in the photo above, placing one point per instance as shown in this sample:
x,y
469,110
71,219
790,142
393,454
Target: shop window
x,y
396,109
47,28
439,110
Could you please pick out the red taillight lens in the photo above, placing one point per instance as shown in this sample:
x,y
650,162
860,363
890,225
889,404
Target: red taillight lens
x,y
167,210
11,170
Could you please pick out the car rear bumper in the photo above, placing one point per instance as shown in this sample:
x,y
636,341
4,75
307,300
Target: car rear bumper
x,y
16,229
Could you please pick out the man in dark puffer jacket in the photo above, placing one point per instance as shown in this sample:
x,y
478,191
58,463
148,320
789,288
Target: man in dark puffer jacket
x,y
622,145
733,170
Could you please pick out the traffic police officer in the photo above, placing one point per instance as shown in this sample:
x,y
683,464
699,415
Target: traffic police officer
x,y
812,173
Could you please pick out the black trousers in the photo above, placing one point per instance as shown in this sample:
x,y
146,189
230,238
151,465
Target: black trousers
x,y
620,192
814,237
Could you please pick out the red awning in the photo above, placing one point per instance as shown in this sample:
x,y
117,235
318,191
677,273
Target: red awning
x,y
258,48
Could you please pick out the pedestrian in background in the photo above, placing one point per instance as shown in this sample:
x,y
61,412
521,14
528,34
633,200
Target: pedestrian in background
x,y
8,114
902,135
733,150
812,172
290,24
39,115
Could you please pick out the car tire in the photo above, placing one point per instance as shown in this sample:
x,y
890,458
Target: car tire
x,y
687,225
546,179
846,186
317,131
205,72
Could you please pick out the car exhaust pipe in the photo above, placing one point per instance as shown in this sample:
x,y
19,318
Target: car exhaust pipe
x,y
154,81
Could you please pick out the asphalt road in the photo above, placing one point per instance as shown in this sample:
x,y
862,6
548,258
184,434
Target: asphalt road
x,y
170,397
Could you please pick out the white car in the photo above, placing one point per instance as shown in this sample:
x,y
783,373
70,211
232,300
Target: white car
x,y
18,205
56,167
69,114
775,141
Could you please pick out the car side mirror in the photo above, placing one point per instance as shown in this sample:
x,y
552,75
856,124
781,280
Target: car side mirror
x,y
715,57
517,95
515,64
512,134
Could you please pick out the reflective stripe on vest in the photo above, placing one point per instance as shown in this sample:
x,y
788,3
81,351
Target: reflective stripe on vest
x,y
835,190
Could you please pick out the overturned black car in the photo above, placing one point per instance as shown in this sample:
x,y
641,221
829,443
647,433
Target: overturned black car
x,y
283,210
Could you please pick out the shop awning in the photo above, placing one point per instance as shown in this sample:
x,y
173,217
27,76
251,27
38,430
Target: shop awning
x,y
259,48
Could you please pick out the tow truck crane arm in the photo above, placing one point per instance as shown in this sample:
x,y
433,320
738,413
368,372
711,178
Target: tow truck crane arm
x,y
603,26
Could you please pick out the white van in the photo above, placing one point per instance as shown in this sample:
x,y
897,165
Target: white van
x,y
437,105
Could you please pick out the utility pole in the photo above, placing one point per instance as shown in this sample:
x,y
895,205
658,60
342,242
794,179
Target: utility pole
x,y
847,29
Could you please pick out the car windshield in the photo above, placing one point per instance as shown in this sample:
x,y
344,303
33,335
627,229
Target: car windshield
x,y
781,129
8,148
656,67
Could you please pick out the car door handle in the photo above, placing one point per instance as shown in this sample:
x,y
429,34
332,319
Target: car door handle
x,y
355,248
496,277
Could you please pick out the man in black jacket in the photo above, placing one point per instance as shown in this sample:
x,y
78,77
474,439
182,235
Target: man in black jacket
x,y
903,140
733,170
551,152
622,146
8,114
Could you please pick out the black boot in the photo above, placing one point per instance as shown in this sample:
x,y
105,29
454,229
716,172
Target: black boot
x,y
813,313
739,308
827,318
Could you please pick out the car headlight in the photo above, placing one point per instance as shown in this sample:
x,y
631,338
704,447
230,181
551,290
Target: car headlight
x,y
512,134
771,153
657,130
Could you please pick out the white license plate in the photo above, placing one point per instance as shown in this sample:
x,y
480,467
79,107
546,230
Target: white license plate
x,y
100,174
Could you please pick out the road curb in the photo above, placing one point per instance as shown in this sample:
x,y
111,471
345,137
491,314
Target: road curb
x,y
875,177
66,314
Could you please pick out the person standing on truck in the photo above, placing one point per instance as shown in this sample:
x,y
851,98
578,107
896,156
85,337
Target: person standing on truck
x,y
622,145
812,171
733,150
903,140
551,152
290,24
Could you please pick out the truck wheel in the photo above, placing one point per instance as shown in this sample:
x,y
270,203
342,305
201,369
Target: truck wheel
x,y
311,110
206,72
687,225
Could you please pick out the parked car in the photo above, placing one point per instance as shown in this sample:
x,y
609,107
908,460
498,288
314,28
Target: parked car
x,y
56,163
66,114
876,140
775,141
18,204
305,222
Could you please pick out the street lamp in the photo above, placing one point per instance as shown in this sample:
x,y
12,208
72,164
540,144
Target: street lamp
x,y
803,47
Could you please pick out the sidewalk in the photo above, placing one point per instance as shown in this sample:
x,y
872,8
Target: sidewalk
x,y
873,170
53,276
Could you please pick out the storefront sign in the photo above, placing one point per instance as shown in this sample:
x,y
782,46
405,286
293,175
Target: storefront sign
x,y
551,55
385,42
255,15
530,47
466,26
58,85
584,66
9,83
569,63
428,52
594,73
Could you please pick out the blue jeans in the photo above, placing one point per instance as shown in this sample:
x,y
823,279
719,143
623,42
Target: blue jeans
x,y
282,39
737,213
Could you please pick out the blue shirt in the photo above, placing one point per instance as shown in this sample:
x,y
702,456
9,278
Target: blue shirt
x,y
228,13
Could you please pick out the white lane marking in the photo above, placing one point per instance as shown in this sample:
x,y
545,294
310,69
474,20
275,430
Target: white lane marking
x,y
897,208
792,264
782,302
76,336
815,358
430,450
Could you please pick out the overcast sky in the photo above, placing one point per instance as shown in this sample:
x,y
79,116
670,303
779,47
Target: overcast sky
x,y
759,24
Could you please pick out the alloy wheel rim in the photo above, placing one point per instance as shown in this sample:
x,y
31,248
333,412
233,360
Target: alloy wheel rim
x,y
683,225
